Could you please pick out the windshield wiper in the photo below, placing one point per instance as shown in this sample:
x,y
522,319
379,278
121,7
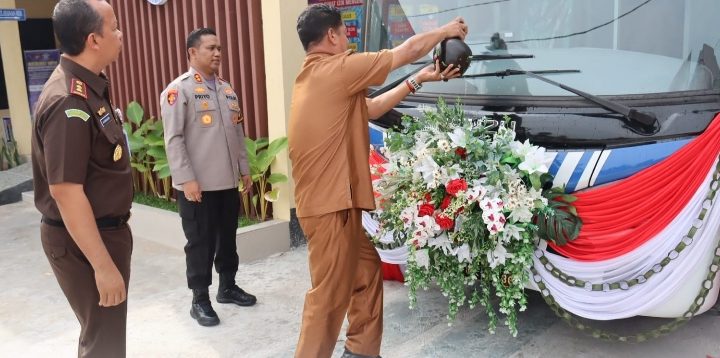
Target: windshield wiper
x,y
646,120
485,57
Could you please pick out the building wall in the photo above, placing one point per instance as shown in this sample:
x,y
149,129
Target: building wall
x,y
12,59
154,52
284,55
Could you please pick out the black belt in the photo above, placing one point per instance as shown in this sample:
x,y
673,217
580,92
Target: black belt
x,y
103,223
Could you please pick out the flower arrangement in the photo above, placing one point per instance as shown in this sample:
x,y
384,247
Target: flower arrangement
x,y
464,196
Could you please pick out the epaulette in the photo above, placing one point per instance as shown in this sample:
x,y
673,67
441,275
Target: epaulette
x,y
78,88
183,77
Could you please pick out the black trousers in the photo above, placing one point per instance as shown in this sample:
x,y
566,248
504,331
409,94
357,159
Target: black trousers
x,y
210,227
102,329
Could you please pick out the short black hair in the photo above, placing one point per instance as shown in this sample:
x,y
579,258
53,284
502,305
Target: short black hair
x,y
315,20
73,21
193,39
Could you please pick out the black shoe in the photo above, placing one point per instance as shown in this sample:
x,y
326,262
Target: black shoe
x,y
348,354
204,314
236,295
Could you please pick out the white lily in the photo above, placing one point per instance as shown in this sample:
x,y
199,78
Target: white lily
x,y
458,137
422,258
497,256
463,253
537,161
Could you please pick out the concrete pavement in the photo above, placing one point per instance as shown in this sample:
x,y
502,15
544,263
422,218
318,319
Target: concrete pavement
x,y
36,321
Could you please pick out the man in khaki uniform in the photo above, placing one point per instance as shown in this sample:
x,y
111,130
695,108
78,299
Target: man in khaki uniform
x,y
205,145
82,177
328,140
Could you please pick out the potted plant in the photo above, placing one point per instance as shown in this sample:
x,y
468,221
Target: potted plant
x,y
260,154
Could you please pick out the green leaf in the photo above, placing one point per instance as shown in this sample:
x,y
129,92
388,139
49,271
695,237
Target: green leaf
x,y
535,182
135,112
157,152
136,143
276,146
251,149
510,160
154,140
140,167
261,143
272,196
263,161
160,165
275,178
561,226
164,173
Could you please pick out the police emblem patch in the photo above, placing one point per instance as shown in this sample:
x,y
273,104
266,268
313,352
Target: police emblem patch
x,y
228,90
172,96
117,154
77,87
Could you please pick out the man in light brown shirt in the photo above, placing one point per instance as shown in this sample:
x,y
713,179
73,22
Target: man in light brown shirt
x,y
328,140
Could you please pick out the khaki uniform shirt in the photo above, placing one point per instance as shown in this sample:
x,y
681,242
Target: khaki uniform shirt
x,y
328,131
204,135
77,138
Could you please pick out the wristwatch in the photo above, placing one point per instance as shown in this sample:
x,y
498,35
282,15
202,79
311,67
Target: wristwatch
x,y
415,86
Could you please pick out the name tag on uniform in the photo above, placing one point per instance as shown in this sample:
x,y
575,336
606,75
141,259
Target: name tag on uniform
x,y
105,119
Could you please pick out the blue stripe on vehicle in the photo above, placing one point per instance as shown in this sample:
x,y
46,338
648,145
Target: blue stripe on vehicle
x,y
624,162
376,138
578,171
555,166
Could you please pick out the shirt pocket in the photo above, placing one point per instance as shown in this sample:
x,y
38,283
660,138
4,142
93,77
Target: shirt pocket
x,y
111,146
206,113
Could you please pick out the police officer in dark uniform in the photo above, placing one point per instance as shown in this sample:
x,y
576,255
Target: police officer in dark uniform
x,y
205,144
82,177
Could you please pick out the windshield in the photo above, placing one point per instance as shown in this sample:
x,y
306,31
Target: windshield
x,y
619,46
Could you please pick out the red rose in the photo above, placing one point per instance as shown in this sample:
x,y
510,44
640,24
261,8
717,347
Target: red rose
x,y
461,152
455,186
445,202
445,222
426,210
428,198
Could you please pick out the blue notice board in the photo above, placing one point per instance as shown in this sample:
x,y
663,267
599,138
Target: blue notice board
x,y
12,14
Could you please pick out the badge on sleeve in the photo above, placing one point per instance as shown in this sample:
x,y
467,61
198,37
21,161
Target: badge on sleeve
x,y
172,96
78,87
198,78
117,154
77,113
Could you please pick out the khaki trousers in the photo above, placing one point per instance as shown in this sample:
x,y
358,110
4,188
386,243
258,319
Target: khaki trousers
x,y
102,329
346,277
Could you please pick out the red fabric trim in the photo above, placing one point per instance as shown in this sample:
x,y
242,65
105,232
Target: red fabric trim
x,y
392,272
620,217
